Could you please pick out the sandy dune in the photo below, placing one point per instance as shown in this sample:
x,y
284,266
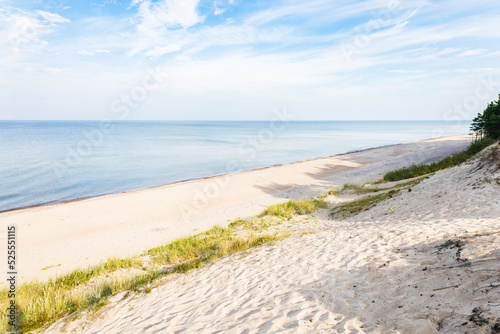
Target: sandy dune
x,y
420,262
81,233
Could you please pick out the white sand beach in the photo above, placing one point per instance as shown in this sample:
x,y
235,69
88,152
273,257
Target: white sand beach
x,y
423,261
71,235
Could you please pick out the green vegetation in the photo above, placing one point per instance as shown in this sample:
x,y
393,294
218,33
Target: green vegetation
x,y
330,192
202,248
41,303
358,190
488,123
452,160
353,208
291,208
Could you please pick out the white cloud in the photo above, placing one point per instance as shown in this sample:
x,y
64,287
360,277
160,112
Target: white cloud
x,y
164,14
24,29
217,10
158,43
161,26
51,18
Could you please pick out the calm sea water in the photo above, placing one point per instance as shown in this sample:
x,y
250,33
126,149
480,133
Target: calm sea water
x,y
52,161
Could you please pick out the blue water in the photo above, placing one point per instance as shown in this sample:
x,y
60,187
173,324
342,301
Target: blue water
x,y
52,161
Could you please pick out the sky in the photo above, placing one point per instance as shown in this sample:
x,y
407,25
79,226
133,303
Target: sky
x,y
246,60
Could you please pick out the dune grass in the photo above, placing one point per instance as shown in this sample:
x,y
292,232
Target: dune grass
x,y
41,303
450,161
330,192
218,242
355,207
291,208
358,190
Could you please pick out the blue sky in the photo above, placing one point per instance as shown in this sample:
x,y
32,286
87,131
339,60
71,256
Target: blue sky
x,y
235,59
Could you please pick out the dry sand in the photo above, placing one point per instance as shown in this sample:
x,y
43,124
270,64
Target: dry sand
x,y
81,233
417,263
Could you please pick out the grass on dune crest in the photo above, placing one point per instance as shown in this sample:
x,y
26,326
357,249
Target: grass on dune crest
x,y
355,207
450,161
291,208
193,251
352,208
358,190
41,303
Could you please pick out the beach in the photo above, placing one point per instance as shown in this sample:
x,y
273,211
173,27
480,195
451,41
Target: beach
x,y
423,261
55,239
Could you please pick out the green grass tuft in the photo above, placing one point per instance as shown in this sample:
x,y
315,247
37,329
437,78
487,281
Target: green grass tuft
x,y
291,208
358,190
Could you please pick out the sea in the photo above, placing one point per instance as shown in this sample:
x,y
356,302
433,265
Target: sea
x,y
44,162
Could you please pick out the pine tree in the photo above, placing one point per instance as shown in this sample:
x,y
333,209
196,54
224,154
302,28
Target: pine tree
x,y
488,123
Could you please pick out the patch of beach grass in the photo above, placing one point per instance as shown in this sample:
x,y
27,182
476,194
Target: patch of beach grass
x,y
450,161
358,190
38,303
330,192
82,276
215,243
353,208
376,182
291,208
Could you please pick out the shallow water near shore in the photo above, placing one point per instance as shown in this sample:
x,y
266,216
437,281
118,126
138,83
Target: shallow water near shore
x,y
45,162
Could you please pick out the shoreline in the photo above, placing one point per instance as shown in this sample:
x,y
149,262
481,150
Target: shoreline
x,y
80,233
43,205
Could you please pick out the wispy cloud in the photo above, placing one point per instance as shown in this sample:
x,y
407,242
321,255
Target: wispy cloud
x,y
85,52
158,16
24,29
